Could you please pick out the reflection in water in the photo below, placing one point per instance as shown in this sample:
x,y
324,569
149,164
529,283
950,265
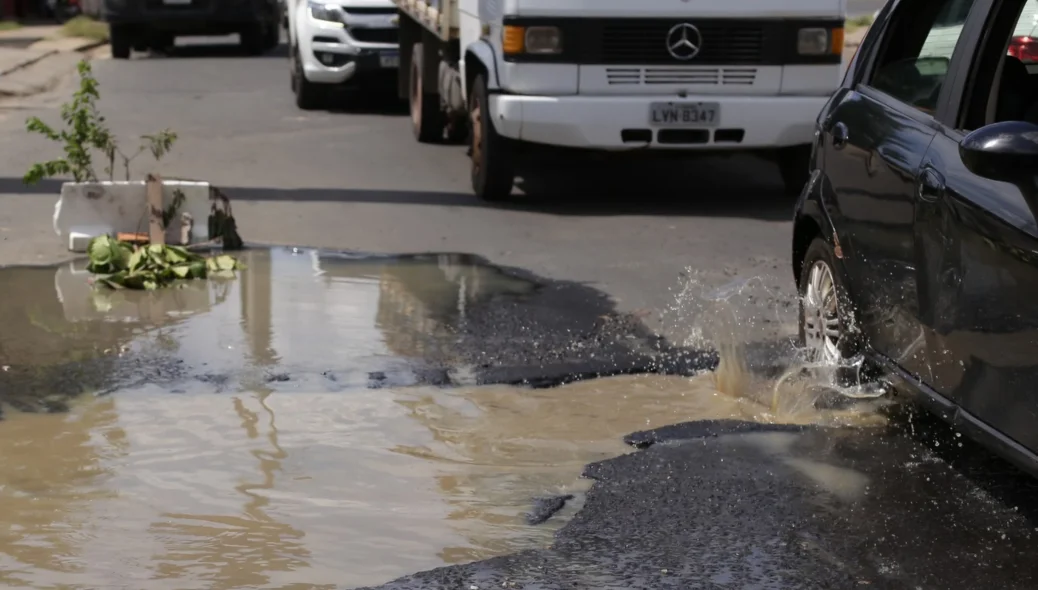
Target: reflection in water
x,y
265,489
254,481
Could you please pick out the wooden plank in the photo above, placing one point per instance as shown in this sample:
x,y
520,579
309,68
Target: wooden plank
x,y
156,230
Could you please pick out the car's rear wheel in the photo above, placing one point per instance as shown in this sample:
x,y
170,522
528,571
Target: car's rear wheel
x,y
120,40
309,96
829,332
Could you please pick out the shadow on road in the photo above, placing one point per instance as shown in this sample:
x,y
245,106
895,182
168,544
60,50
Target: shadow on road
x,y
702,188
557,192
1004,482
214,50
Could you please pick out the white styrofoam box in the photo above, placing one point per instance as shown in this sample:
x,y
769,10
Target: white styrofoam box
x,y
122,206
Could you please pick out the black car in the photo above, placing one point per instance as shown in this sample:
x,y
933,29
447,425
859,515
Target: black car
x,y
915,244
154,24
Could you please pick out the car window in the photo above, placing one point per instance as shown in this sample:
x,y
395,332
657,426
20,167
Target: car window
x,y
919,42
1005,69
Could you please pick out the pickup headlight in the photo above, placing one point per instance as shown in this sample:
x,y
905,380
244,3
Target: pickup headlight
x,y
820,41
537,40
326,12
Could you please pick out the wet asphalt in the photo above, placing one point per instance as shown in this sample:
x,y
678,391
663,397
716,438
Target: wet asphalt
x,y
716,505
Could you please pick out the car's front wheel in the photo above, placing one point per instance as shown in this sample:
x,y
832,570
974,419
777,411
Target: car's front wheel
x,y
829,333
309,96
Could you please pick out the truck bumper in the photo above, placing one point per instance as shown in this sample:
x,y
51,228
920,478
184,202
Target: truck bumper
x,y
623,122
331,56
190,17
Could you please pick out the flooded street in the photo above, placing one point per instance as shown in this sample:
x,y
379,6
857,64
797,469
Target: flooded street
x,y
333,421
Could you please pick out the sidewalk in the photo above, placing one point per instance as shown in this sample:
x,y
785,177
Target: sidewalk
x,y
22,47
33,57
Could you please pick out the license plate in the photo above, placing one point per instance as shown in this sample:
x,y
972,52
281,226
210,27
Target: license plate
x,y
176,2
684,114
389,60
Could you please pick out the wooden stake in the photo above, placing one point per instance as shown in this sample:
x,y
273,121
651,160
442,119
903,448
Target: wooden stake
x,y
156,230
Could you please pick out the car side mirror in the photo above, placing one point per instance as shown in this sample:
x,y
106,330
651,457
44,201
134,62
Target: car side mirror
x,y
1006,151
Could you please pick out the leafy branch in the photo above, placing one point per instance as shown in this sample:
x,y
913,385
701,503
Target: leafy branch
x,y
84,134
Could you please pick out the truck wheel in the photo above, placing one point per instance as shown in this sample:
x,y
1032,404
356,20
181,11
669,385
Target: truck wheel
x,y
493,167
794,165
272,38
162,43
255,38
120,38
427,118
309,96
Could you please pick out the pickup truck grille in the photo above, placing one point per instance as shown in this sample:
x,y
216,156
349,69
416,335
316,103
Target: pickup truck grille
x,y
633,42
375,35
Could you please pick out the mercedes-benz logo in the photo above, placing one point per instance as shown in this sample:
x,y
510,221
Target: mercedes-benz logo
x,y
684,41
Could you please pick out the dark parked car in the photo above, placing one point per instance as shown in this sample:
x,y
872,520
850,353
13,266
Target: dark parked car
x,y
154,24
916,237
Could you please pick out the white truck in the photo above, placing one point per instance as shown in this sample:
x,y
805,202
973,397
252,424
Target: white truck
x,y
339,42
749,75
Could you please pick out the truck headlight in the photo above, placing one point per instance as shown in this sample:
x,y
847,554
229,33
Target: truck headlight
x,y
543,40
538,40
325,12
820,41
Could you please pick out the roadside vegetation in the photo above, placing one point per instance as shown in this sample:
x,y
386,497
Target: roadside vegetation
x,y
9,25
85,27
858,22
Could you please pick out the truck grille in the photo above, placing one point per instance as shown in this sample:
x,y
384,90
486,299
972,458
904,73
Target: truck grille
x,y
633,42
684,75
373,35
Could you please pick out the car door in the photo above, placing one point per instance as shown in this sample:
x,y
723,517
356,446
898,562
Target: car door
x,y
876,135
977,245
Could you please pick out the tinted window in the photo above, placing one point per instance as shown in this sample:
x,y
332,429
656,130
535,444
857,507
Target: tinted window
x,y
917,49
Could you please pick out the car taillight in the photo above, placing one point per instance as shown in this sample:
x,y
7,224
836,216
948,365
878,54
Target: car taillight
x,y
1024,48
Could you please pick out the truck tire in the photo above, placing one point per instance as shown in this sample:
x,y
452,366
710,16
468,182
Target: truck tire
x,y
794,165
309,96
427,119
254,39
120,38
493,165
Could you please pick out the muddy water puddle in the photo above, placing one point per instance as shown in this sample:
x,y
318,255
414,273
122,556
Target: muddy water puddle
x,y
143,489
294,443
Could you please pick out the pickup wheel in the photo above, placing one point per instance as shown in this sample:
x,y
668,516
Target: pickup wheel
x,y
427,119
120,38
309,96
493,167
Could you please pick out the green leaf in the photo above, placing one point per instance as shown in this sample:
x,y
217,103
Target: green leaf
x,y
199,270
136,261
182,271
225,262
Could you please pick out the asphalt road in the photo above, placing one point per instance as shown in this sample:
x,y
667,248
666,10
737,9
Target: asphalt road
x,y
804,509
356,179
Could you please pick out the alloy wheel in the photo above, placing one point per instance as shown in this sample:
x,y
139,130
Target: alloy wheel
x,y
822,330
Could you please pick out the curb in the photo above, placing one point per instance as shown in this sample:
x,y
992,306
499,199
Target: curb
x,y
30,62
87,45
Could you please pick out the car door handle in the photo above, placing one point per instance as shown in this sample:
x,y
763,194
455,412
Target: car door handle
x,y
930,186
840,135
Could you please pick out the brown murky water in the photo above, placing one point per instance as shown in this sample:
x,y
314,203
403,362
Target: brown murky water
x,y
262,487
